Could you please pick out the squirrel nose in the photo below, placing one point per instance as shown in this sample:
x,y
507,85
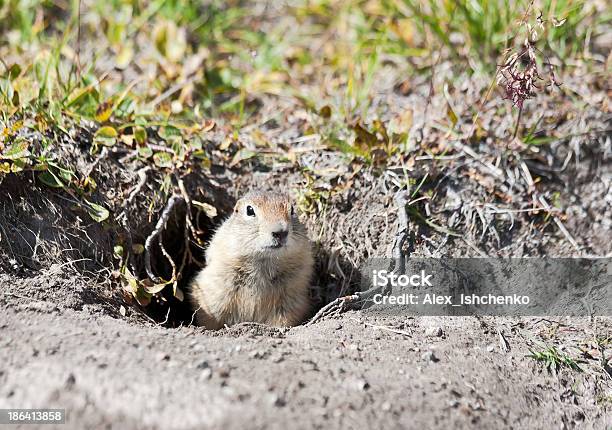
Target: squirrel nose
x,y
280,235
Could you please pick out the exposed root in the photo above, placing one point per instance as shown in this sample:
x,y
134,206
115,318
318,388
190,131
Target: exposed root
x,y
142,180
156,233
189,232
341,304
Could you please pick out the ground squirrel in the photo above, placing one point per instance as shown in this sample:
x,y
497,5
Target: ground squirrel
x,y
258,266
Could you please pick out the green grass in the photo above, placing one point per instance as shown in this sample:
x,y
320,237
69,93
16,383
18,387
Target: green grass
x,y
483,29
554,359
603,400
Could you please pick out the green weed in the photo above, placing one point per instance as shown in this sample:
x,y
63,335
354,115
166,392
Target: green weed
x,y
554,360
484,29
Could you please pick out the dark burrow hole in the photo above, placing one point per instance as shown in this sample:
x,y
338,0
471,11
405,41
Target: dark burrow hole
x,y
168,309
332,275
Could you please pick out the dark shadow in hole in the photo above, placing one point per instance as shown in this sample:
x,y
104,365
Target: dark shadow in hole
x,y
167,309
27,221
333,277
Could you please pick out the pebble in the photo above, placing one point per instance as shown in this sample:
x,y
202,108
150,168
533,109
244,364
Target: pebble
x,y
430,356
277,358
206,373
277,400
256,354
361,384
434,332
70,381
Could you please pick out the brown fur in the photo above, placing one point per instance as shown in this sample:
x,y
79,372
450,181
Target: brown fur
x,y
246,278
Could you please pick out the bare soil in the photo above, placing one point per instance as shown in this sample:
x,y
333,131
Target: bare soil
x,y
345,372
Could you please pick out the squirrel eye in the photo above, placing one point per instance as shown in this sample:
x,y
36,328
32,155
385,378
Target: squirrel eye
x,y
250,211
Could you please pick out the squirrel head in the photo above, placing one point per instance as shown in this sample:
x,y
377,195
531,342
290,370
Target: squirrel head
x,y
266,223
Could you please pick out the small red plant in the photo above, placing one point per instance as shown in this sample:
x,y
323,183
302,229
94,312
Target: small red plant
x,y
519,74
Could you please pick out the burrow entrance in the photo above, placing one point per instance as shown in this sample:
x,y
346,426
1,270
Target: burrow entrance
x,y
330,278
41,229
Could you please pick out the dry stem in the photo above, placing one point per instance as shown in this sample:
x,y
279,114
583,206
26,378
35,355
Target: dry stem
x,y
341,304
159,227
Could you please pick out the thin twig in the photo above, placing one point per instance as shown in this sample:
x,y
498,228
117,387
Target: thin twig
x,y
185,194
167,316
160,148
557,221
173,89
384,328
341,304
498,173
161,225
193,315
78,53
123,218
142,180
504,345
95,163
170,260
189,230
518,121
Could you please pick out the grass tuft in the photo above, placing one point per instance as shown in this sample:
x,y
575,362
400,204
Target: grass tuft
x,y
554,359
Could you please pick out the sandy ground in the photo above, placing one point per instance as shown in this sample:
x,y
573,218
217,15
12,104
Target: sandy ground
x,y
345,372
